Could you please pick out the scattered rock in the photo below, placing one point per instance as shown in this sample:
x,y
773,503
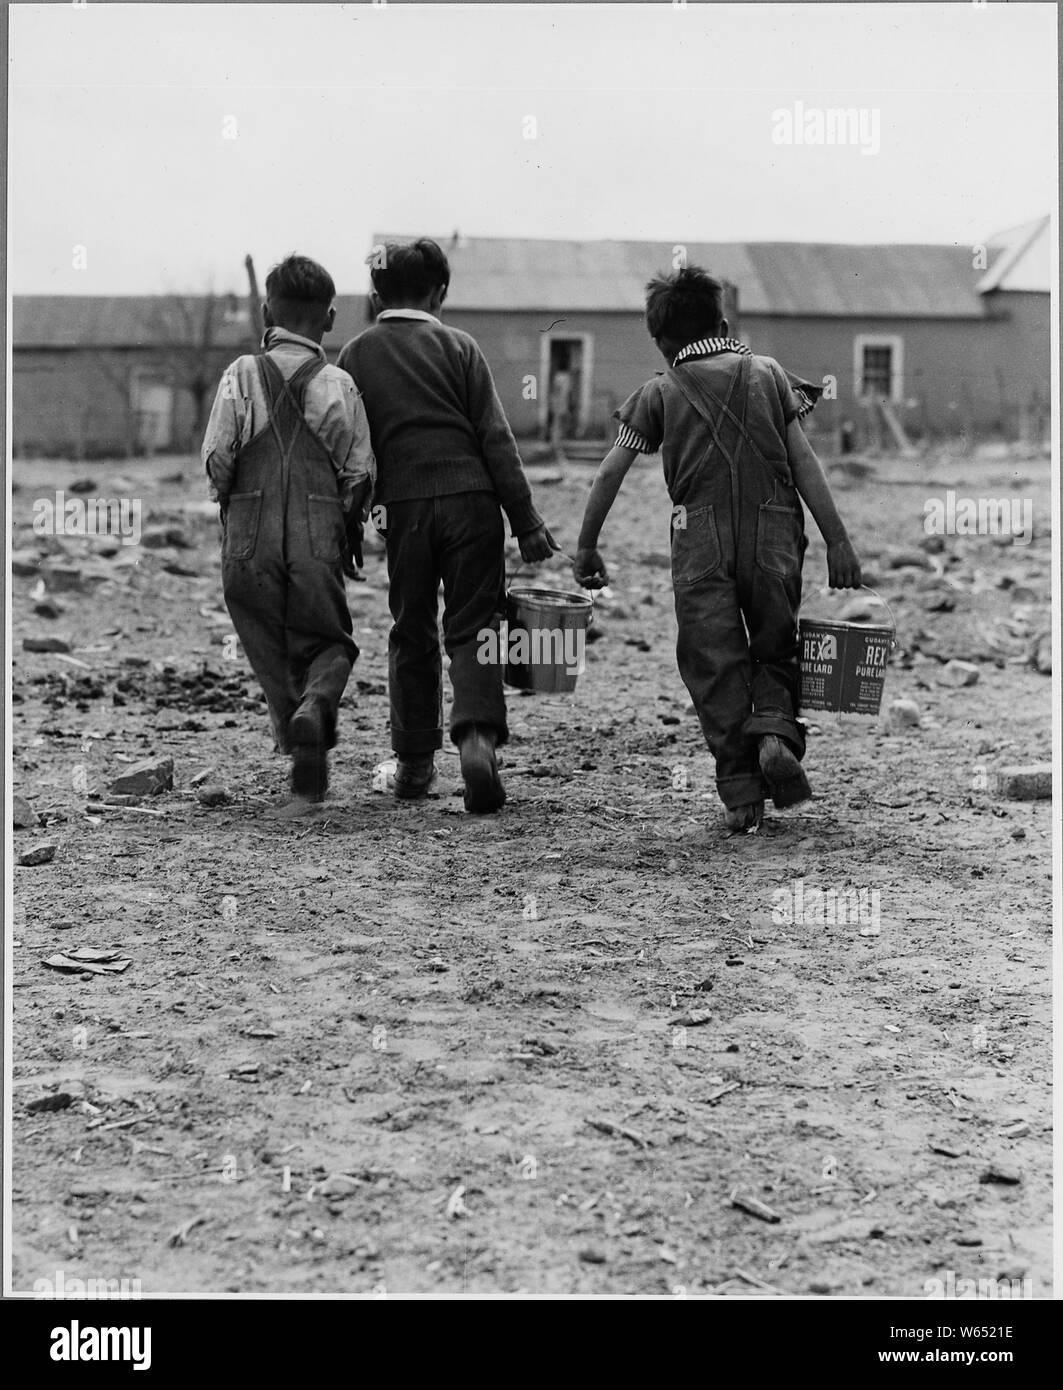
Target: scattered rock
x,y
63,578
959,673
45,644
903,714
1042,656
147,778
591,1256
902,559
1002,1173
23,816
933,545
48,608
939,602
1030,783
746,1202
83,485
41,853
159,537
58,1100
1016,1130
25,563
213,795
859,610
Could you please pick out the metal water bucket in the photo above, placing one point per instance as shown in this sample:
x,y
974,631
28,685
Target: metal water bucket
x,y
843,665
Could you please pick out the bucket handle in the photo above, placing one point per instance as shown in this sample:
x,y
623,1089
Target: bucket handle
x,y
889,610
524,564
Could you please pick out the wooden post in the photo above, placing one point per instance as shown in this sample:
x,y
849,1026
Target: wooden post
x,y
254,302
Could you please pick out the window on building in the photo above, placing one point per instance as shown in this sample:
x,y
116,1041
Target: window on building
x,y
878,368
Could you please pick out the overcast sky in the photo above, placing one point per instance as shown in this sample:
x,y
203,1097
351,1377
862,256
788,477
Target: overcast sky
x,y
652,121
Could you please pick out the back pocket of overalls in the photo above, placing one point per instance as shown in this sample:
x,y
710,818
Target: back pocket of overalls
x,y
695,545
241,524
778,540
324,519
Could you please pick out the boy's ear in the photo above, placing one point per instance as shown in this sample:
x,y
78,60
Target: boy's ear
x,y
267,317
330,318
723,328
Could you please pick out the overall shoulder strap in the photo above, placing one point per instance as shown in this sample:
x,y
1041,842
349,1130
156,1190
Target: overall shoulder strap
x,y
700,397
271,377
302,377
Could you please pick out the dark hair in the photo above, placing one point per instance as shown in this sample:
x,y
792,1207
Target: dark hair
x,y
683,307
298,283
401,272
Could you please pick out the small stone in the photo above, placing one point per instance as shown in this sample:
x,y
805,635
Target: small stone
x,y
903,714
23,816
48,608
63,578
147,778
1043,654
41,853
901,559
1030,783
25,563
858,610
967,1240
45,644
58,1100
83,485
159,537
1001,1173
1022,593
590,1256
959,673
933,545
213,795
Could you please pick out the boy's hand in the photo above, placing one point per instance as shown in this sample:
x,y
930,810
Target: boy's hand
x,y
843,567
352,554
588,569
536,545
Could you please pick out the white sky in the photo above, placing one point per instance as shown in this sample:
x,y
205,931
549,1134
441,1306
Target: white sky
x,y
654,122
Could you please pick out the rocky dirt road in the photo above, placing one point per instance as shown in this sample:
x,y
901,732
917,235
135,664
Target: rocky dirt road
x,y
392,1048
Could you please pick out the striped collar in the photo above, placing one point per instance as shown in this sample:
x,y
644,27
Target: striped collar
x,y
706,347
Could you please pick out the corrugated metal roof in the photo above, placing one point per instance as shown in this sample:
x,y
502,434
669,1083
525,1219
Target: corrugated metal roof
x,y
786,278
1022,258
64,320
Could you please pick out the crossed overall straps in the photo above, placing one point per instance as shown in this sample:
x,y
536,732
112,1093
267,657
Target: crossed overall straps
x,y
285,399
701,398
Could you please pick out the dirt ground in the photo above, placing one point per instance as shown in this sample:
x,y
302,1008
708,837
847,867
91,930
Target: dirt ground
x,y
390,1048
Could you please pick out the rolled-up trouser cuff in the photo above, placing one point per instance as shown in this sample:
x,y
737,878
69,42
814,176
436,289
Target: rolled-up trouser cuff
x,y
768,722
416,743
741,791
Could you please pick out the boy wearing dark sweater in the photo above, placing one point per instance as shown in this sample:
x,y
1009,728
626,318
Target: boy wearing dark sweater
x,y
447,462
737,465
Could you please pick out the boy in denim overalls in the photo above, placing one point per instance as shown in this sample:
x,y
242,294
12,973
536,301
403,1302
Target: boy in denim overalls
x,y
288,455
737,465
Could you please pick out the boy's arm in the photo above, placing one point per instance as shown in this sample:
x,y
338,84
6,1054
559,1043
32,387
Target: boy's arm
x,y
221,439
843,566
589,567
498,447
344,430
